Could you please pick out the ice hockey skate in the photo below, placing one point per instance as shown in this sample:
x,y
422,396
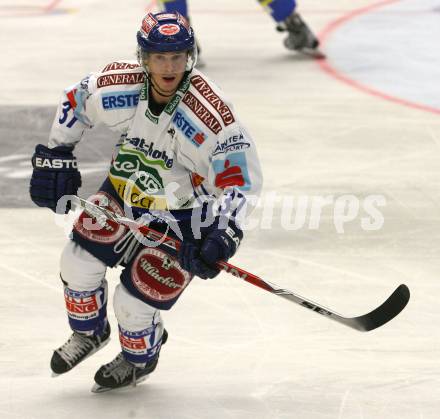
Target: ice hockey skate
x,y
121,373
300,38
77,348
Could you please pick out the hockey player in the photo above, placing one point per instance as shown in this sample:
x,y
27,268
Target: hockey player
x,y
299,36
183,158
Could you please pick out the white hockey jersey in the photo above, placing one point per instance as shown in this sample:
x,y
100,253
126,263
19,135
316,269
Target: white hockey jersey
x,y
196,146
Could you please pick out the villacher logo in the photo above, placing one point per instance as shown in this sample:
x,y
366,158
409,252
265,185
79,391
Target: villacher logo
x,y
156,281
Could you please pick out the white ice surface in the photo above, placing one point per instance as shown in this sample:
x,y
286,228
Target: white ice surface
x,y
393,49
236,351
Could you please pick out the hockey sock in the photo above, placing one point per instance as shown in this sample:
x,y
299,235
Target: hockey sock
x,y
140,347
87,310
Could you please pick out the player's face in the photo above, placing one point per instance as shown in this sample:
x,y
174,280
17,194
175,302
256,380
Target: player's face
x,y
167,69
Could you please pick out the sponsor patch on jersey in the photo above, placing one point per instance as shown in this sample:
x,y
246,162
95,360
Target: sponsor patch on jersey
x,y
119,66
205,90
135,178
160,157
119,100
158,276
90,229
120,78
169,29
232,171
188,128
202,112
233,143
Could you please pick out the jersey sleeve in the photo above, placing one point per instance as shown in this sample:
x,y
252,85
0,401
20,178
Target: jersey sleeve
x,y
76,112
107,97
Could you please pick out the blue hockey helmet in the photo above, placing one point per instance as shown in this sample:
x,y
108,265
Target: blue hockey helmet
x,y
166,32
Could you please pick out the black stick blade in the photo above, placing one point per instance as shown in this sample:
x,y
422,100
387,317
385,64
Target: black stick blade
x,y
395,303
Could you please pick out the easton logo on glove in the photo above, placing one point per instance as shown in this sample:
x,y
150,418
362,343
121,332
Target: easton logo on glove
x,y
55,174
43,163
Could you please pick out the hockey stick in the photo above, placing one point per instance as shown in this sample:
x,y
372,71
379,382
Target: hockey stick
x,y
393,305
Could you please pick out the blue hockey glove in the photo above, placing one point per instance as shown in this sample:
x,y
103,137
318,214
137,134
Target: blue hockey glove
x,y
55,174
199,257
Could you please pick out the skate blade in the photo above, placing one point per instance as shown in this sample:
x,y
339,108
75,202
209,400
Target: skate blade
x,y
97,389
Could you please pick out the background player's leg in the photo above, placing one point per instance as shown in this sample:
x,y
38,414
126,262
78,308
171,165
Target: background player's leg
x,y
284,13
174,6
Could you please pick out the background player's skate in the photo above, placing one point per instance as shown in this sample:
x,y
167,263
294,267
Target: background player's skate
x,y
299,36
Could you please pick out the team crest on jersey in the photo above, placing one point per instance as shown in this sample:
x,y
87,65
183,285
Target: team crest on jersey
x,y
158,276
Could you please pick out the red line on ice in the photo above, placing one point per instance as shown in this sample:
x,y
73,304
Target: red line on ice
x,y
332,71
51,6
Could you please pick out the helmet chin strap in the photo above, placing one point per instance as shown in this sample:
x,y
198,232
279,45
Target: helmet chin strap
x,y
157,90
